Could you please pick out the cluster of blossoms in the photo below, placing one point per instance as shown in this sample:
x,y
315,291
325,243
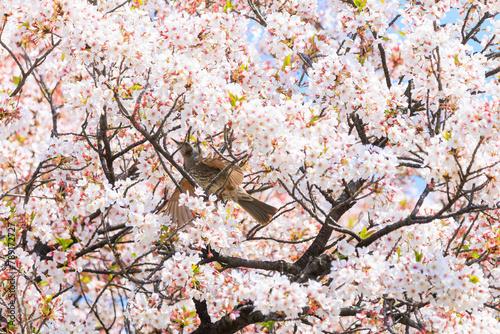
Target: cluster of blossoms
x,y
372,125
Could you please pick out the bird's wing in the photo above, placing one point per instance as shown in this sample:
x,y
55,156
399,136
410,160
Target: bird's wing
x,y
235,173
179,214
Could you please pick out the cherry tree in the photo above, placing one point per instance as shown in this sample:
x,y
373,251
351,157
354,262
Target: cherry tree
x,y
372,125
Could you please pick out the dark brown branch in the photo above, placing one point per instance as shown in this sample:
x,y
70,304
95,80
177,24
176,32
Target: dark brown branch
x,y
103,243
476,28
445,253
37,63
105,154
235,262
257,13
246,316
384,65
319,244
421,220
420,201
128,148
384,60
360,128
492,72
202,311
119,6
459,248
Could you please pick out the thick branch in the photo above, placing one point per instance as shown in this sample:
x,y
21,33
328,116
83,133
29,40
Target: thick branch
x,y
236,262
318,245
245,316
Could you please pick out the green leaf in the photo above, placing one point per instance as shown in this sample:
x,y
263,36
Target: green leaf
x,y
268,324
12,327
360,3
228,6
196,269
32,216
64,243
474,279
362,60
16,80
25,24
232,99
418,256
365,233
399,252
48,299
12,208
235,98
401,33
362,234
286,62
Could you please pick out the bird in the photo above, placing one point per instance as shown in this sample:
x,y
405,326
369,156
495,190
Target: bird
x,y
227,185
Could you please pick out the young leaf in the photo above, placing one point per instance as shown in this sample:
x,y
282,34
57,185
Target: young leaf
x,y
474,279
64,243
418,256
365,233
228,6
286,62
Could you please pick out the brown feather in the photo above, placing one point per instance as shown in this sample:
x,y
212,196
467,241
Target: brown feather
x,y
179,214
235,172
227,186
260,211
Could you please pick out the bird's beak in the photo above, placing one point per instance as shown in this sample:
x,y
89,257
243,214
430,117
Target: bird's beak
x,y
178,143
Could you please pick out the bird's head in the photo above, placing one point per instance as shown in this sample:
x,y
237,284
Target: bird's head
x,y
185,148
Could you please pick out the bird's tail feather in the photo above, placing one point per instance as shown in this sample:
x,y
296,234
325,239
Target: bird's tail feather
x,y
260,211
